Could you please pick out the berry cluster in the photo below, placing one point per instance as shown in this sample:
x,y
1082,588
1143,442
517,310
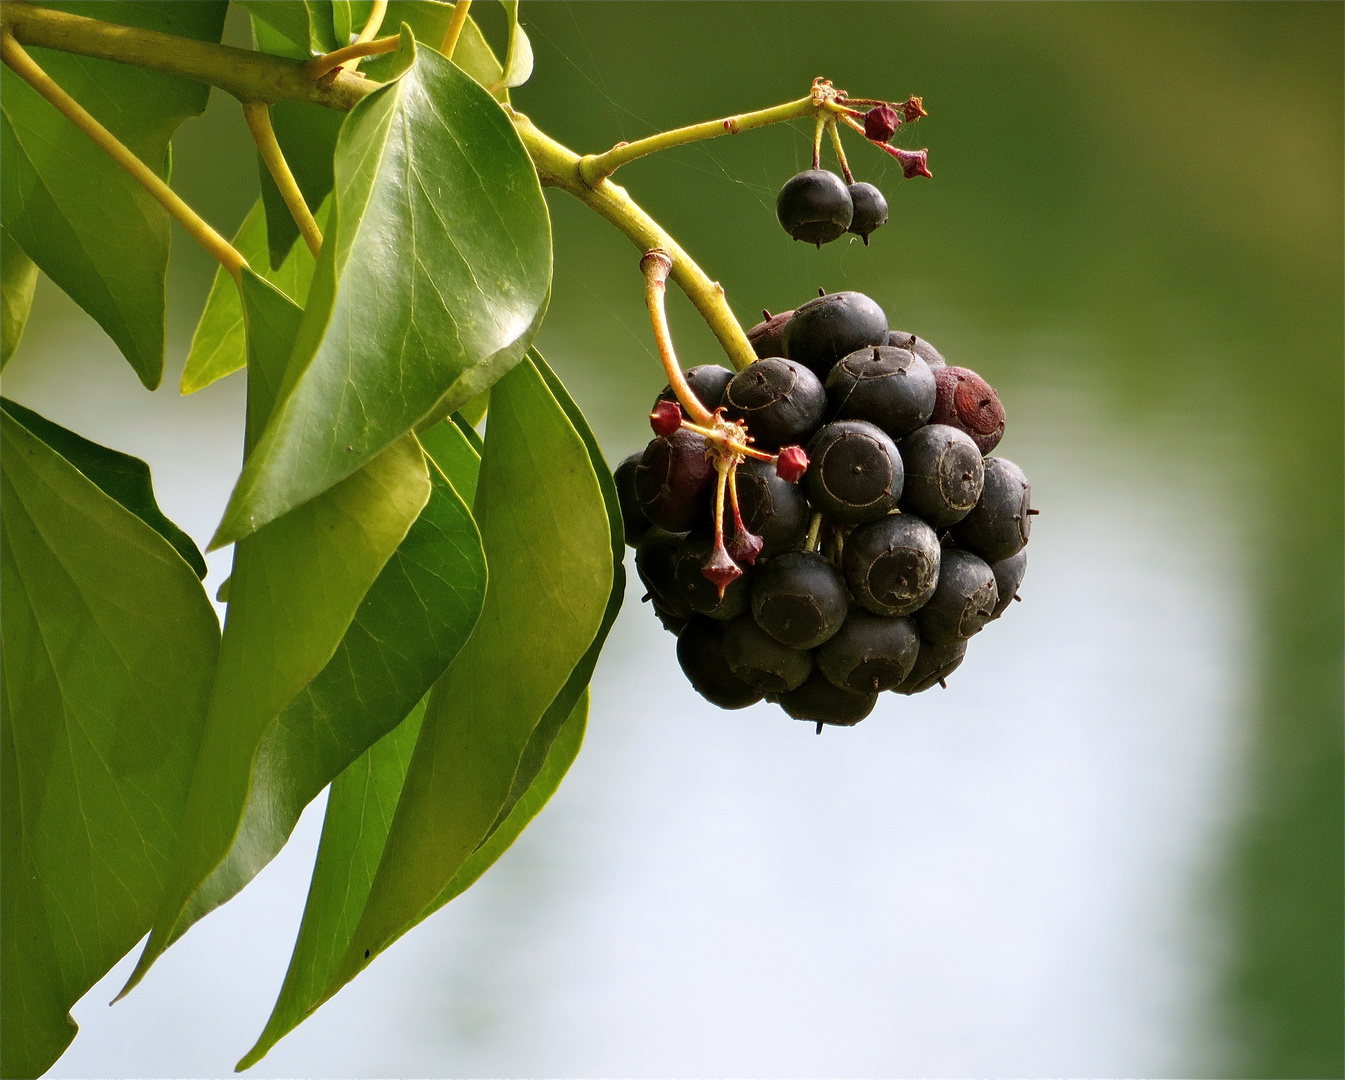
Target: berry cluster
x,y
870,536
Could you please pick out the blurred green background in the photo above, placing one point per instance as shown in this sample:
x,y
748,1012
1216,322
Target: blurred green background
x,y
1134,231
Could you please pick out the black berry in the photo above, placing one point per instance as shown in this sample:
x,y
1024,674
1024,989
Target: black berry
x,y
633,518
832,326
700,651
656,563
761,661
820,701
892,564
944,474
799,599
933,664
869,652
781,401
673,481
999,523
707,382
772,508
814,206
854,473
700,593
768,336
892,388
901,340
963,602
1008,576
870,209
967,401
674,624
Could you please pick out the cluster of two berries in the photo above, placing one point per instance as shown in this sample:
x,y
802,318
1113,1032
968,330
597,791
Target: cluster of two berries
x,y
921,537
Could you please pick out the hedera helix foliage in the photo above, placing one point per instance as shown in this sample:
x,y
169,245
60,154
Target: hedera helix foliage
x,y
389,565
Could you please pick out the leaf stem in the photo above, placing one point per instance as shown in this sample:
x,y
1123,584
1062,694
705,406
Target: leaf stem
x,y
356,50
258,115
656,265
377,10
25,67
455,25
835,134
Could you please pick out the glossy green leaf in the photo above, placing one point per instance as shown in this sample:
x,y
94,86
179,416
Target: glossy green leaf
x,y
219,345
416,306
18,279
89,227
306,28
108,645
120,476
518,58
545,529
296,587
429,21
359,814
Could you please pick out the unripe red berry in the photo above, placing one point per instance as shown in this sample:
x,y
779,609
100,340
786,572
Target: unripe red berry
x,y
881,124
666,418
967,401
791,464
913,162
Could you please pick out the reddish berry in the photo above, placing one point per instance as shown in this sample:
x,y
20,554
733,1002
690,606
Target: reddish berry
x,y
745,546
666,418
913,162
967,401
791,464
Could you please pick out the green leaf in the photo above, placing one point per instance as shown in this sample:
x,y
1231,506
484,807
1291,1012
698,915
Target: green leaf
x,y
108,645
219,345
306,29
296,587
120,476
387,342
518,58
429,21
359,813
89,227
545,529
18,279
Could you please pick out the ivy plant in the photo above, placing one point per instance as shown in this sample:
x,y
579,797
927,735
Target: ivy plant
x,y
390,566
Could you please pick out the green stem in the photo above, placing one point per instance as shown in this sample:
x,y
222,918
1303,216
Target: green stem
x,y
818,125
455,25
593,167
835,134
258,115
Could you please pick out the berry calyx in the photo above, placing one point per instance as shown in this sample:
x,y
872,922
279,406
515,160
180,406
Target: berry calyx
x,y
881,124
791,463
912,109
913,162
665,418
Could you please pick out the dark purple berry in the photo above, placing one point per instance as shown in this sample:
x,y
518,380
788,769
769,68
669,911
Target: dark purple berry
x,y
999,523
632,517
881,123
780,400
814,206
799,599
892,564
870,210
892,388
944,474
855,472
700,651
768,337
829,327
899,339
761,661
772,508
1008,576
673,481
933,664
967,401
869,652
656,563
820,701
963,602
707,382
